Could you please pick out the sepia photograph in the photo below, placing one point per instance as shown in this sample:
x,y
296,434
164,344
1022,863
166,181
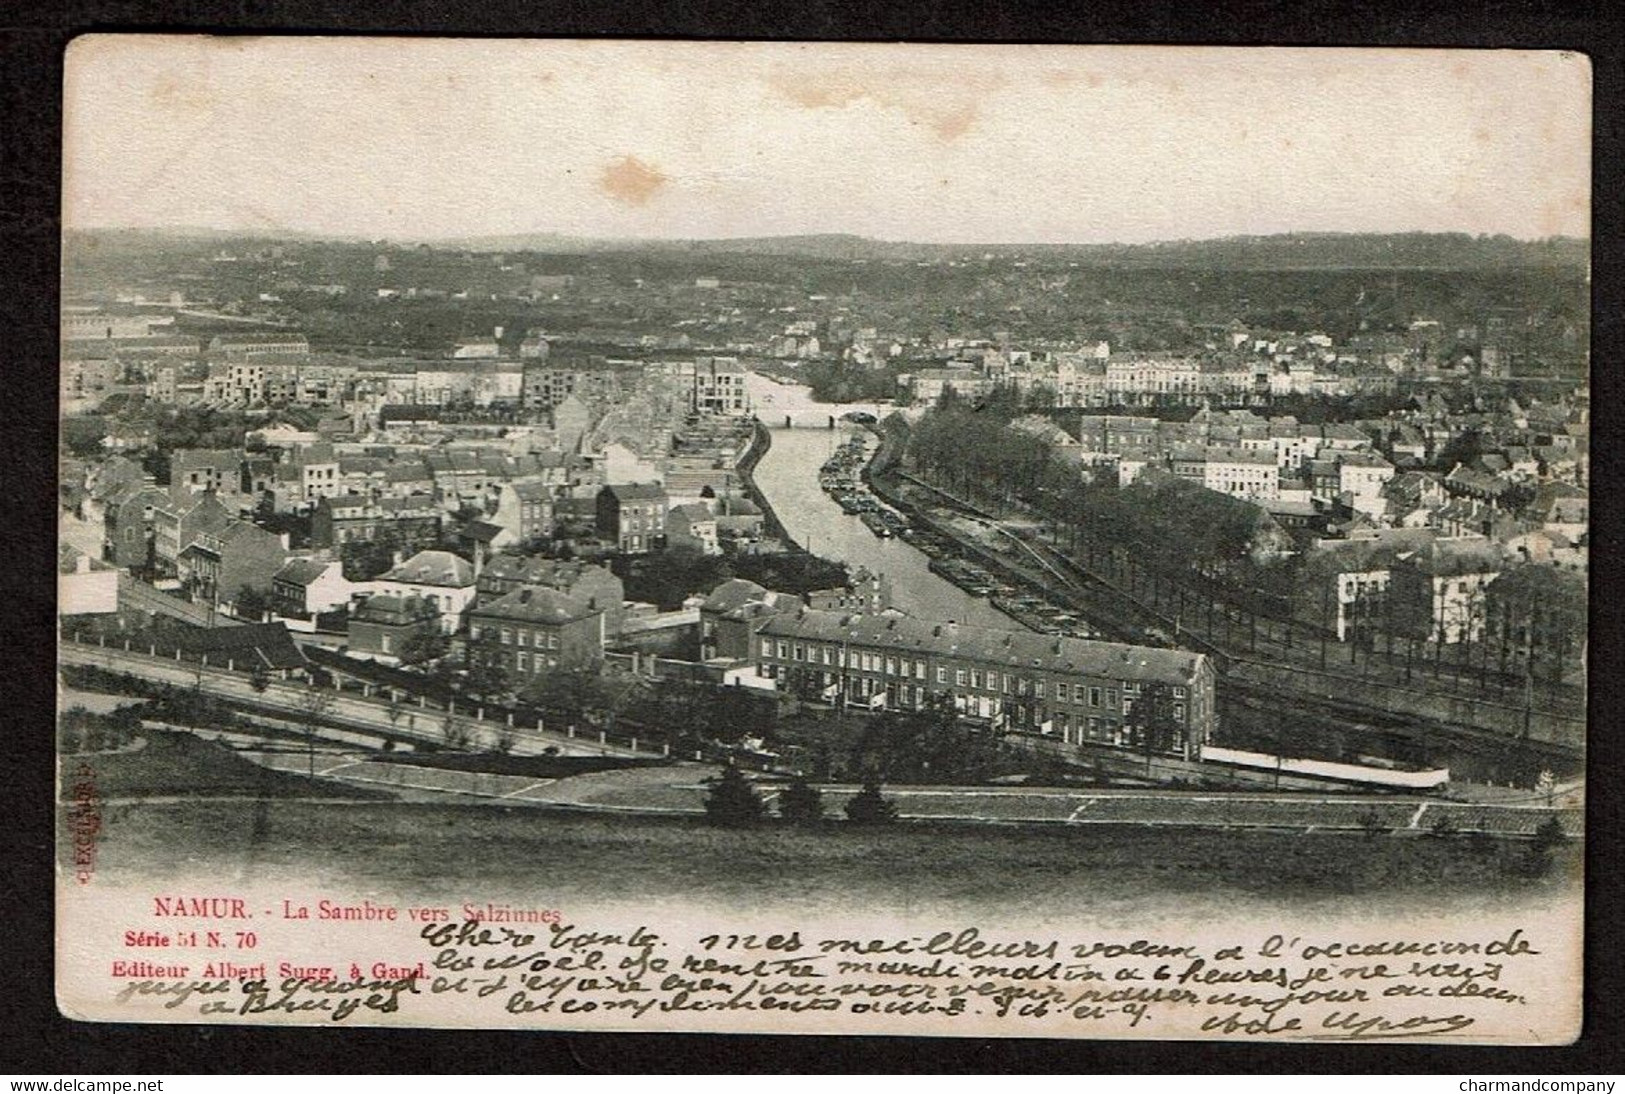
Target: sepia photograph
x,y
824,538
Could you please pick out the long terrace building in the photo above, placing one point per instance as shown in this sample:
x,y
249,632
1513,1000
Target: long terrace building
x,y
1078,690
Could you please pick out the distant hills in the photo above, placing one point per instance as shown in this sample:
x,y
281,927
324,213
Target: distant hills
x,y
1300,250
1290,251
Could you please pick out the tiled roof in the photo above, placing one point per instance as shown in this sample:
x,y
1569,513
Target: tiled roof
x,y
440,568
302,571
731,594
268,642
387,609
536,604
636,491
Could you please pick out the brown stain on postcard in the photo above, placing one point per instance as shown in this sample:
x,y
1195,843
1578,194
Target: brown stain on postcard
x,y
631,181
948,110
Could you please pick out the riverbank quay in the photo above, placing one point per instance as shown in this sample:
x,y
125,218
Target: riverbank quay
x,y
761,440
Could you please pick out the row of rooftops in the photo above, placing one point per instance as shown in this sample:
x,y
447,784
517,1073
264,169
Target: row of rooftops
x,y
988,645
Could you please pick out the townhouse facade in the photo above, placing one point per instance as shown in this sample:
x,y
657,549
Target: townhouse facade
x,y
534,630
1079,691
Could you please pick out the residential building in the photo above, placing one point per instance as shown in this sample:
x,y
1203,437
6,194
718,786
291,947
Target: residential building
x,y
177,523
632,516
863,592
719,386
105,326
218,470
731,615
1076,690
586,581
1361,477
383,626
267,343
445,580
407,522
1241,472
219,566
927,385
305,587
524,511
738,518
534,629
1438,594
693,526
127,521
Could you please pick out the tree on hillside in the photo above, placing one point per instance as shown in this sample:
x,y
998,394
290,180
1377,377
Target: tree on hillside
x,y
484,679
314,705
868,807
733,802
801,802
423,647
930,745
365,559
571,694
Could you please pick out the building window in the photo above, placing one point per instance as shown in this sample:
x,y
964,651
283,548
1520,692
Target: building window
x,y
383,643
959,677
1111,698
1094,700
784,651
522,659
1038,689
942,675
507,636
552,644
919,671
797,651
1061,694
767,647
891,666
474,631
976,678
521,638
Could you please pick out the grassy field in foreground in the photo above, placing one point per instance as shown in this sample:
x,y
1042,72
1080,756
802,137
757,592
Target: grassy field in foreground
x,y
462,850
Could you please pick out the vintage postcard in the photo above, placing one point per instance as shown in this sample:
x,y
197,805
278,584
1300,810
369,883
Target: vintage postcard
x,y
824,538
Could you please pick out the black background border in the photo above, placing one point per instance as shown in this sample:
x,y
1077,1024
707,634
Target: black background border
x,y
34,1038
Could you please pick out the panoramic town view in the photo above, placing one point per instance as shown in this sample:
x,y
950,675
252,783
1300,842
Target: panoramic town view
x,y
1254,562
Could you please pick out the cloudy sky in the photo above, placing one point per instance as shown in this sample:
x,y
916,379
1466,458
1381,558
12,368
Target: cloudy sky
x,y
423,139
